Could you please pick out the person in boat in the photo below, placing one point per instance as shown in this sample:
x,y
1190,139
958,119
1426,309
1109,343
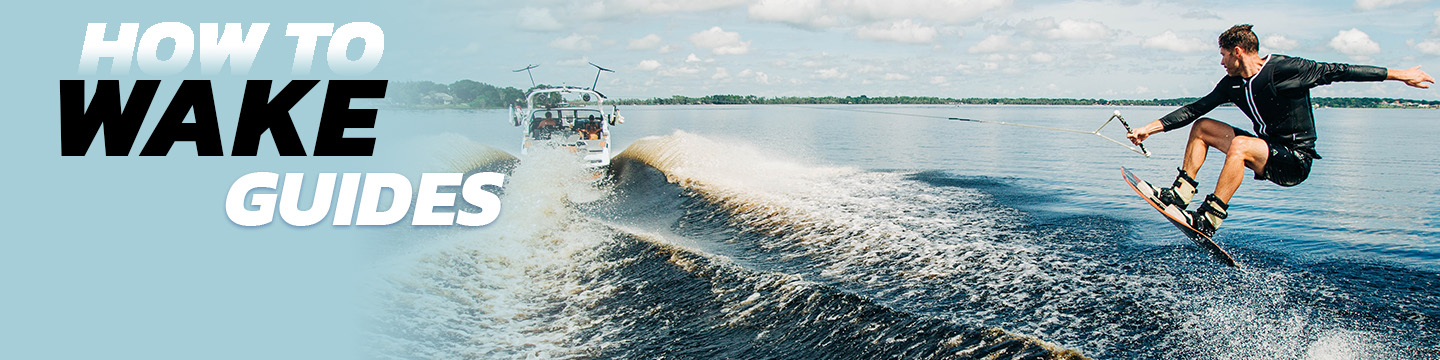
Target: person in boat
x,y
549,120
1274,92
545,127
591,129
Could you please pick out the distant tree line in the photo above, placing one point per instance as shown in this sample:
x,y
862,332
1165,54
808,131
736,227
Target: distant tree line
x,y
897,100
459,94
478,95
1350,102
1340,102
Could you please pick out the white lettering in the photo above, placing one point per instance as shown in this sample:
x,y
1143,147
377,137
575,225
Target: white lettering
x,y
215,47
339,43
235,200
149,50
375,183
430,197
121,50
345,205
290,199
475,194
306,35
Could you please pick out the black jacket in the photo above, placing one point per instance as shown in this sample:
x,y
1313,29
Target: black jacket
x,y
1277,99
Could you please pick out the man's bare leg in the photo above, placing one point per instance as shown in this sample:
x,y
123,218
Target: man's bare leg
x,y
1240,152
1243,152
1204,134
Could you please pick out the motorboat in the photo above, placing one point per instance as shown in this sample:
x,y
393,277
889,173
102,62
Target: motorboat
x,y
570,119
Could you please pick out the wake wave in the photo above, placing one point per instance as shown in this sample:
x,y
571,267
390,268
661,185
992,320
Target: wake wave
x,y
697,248
941,245
554,279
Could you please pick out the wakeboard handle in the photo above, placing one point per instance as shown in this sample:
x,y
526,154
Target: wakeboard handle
x,y
1129,131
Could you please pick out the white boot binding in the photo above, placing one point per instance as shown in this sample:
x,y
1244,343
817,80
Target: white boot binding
x,y
1207,218
1181,192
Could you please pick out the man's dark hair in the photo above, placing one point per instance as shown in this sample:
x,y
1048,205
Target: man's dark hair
x,y
1240,35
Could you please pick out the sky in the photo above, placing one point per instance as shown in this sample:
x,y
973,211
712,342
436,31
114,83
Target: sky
x,y
1112,49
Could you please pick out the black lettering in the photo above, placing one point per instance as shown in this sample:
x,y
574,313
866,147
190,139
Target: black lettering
x,y
205,131
79,125
257,116
338,116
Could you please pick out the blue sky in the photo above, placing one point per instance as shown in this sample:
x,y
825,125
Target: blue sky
x,y
1121,49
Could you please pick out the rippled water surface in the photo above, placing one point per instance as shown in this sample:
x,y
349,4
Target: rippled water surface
x,y
889,232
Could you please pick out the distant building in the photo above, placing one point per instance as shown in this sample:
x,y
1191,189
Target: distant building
x,y
437,98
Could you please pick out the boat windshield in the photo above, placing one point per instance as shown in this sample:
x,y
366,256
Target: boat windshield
x,y
583,122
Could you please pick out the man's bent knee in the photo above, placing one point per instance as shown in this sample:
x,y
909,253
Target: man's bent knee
x,y
1211,127
1246,146
1252,150
1200,125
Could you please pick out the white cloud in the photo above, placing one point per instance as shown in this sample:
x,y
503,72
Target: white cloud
x,y
831,73
1200,15
1431,46
648,65
581,61
1041,57
1279,42
821,14
803,13
1102,56
896,77
947,11
759,77
720,42
991,44
575,42
645,43
672,6
1066,29
1000,57
666,49
904,31
938,80
1078,30
676,71
720,74
1355,43
1376,4
537,20
692,58
1170,41
1437,24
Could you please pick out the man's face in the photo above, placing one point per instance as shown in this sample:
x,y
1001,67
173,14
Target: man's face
x,y
1230,58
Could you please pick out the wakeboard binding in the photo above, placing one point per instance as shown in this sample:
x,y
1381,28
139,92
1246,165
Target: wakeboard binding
x,y
1206,219
1180,193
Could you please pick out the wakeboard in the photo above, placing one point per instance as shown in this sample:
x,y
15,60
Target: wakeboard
x,y
1147,192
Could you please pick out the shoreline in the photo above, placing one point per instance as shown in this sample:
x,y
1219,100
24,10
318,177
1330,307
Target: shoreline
x,y
1318,103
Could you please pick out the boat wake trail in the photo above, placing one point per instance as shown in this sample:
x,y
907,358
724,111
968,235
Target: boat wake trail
x,y
696,248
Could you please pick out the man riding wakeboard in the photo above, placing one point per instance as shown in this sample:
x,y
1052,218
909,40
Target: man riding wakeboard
x,y
1274,92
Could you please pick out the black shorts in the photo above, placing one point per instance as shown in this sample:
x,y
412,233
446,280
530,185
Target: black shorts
x,y
1286,166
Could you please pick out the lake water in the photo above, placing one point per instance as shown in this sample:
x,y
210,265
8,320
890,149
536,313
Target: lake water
x,y
889,231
